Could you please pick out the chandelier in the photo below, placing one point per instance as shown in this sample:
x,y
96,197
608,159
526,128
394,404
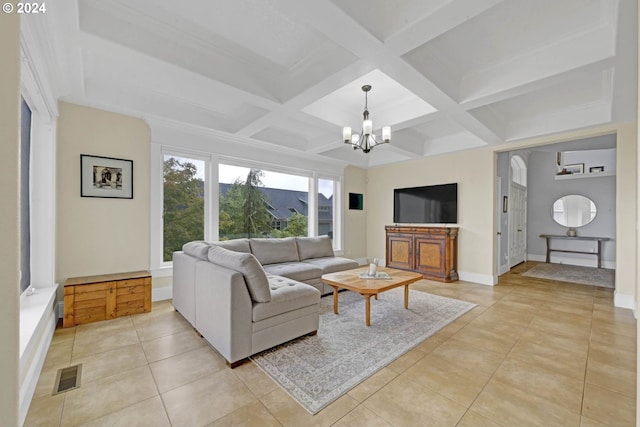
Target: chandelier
x,y
367,140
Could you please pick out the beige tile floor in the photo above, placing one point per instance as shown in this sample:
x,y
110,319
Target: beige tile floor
x,y
533,352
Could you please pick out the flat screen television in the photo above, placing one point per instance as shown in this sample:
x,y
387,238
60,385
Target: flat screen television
x,y
432,204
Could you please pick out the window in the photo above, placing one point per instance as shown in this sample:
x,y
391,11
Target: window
x,y
184,203
261,203
200,196
518,170
326,191
25,208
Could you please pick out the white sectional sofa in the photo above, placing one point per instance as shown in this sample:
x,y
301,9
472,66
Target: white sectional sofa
x,y
247,295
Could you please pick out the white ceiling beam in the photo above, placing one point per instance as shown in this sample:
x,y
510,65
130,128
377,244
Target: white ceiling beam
x,y
427,28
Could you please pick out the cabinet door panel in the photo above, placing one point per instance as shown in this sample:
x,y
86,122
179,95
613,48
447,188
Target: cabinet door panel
x,y
430,255
399,250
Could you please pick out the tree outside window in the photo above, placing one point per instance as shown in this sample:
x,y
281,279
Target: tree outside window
x,y
249,208
183,214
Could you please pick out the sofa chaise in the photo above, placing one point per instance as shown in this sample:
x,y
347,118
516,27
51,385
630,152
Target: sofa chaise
x,y
247,295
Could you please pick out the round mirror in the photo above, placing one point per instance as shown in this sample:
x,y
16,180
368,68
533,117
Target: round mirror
x,y
574,211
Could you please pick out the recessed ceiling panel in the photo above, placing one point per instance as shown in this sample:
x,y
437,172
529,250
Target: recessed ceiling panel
x,y
384,18
176,40
282,137
389,103
515,27
567,95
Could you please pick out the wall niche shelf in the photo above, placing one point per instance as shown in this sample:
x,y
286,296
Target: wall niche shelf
x,y
584,175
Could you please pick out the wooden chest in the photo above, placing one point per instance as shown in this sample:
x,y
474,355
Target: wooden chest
x,y
106,296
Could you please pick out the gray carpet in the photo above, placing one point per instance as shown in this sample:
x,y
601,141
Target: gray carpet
x,y
574,274
317,370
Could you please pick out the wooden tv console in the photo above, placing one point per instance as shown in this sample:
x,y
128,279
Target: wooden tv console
x,y
430,251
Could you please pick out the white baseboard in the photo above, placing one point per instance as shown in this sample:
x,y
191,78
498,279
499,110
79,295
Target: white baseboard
x,y
482,279
161,294
625,301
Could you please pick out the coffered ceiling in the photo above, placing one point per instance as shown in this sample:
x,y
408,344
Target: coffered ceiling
x,y
447,75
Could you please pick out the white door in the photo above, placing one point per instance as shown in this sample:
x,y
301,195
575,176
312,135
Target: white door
x,y
498,223
517,224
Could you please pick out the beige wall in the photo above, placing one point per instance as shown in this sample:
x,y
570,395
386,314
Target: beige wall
x,y
9,216
355,221
473,171
626,211
98,235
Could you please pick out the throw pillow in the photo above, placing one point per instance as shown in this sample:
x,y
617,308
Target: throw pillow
x,y
314,247
237,245
248,266
272,251
198,249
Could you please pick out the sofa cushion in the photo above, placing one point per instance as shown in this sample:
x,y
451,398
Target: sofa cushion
x,y
272,251
294,270
237,245
198,249
314,247
333,264
286,295
254,275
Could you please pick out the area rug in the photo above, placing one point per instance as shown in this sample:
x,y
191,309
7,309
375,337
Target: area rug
x,y
316,370
574,274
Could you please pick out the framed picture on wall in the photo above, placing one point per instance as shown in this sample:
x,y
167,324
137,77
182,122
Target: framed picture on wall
x,y
575,168
106,177
356,201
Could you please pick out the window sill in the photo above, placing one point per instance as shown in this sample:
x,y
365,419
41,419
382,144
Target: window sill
x,y
33,310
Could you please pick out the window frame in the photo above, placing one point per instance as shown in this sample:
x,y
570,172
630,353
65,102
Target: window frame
x,y
212,161
160,267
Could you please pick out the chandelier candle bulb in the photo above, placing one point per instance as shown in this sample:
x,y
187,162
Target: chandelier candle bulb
x,y
386,133
367,127
346,134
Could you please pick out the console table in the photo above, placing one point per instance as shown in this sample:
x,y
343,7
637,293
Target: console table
x,y
598,252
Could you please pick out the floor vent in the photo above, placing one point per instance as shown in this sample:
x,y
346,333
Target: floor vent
x,y
67,379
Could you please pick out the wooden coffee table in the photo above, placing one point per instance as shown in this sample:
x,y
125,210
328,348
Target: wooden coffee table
x,y
349,279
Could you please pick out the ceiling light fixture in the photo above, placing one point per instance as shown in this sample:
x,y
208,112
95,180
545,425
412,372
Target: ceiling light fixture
x,y
367,140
